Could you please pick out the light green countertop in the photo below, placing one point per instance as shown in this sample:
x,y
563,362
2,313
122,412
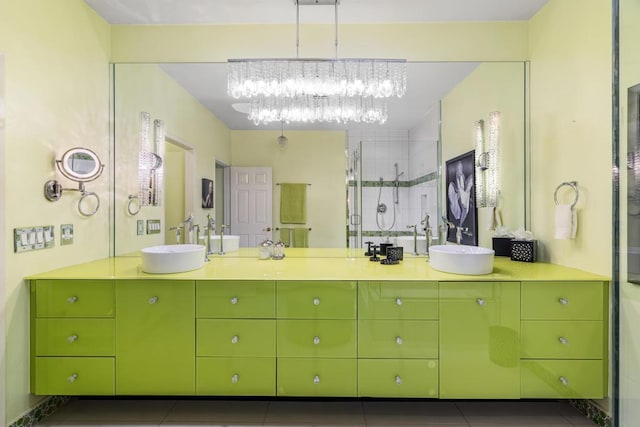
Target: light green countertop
x,y
316,264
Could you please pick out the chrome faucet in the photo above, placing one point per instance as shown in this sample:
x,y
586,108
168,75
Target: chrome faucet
x,y
444,229
427,232
211,225
415,238
188,222
459,232
178,232
222,226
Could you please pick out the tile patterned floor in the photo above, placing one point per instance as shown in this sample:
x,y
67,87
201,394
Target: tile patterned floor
x,y
277,413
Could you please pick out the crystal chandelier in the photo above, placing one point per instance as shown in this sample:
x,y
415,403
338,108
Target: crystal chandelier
x,y
377,78
323,109
317,90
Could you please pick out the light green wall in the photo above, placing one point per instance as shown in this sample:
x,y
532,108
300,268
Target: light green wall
x,y
173,188
317,158
57,97
570,52
630,293
491,87
145,87
452,41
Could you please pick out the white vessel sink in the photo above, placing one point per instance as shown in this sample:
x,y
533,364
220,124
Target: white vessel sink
x,y
406,242
461,259
172,258
230,243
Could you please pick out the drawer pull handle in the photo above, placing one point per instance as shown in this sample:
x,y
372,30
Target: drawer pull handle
x,y
234,300
316,379
399,340
235,339
153,300
398,380
316,340
481,302
563,301
564,381
72,338
398,301
563,340
72,378
316,301
235,378
72,300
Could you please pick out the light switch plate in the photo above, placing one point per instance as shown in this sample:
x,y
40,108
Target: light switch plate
x,y
140,227
153,226
33,238
66,234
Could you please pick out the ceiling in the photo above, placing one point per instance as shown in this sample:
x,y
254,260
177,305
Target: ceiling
x,y
427,83
284,11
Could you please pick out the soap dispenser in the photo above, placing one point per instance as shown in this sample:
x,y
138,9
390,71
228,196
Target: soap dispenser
x,y
278,250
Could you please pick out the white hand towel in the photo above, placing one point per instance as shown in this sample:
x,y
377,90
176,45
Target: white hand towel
x,y
566,222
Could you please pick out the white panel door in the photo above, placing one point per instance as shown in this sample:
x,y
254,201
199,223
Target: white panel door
x,y
251,200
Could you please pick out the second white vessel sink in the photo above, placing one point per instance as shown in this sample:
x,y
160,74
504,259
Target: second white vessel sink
x,y
459,259
172,258
230,243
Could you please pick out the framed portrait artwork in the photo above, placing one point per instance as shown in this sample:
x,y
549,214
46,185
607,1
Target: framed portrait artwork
x,y
461,198
207,193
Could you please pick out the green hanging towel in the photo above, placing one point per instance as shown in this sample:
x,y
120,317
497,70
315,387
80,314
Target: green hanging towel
x,y
300,237
293,203
285,236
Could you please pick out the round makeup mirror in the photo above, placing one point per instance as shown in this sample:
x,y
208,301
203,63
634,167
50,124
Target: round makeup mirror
x,y
80,165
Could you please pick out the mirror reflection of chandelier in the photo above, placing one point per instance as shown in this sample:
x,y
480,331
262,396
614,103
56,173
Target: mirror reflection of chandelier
x,y
317,90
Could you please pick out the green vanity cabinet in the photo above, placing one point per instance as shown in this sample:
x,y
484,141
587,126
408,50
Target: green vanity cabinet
x,y
317,338
236,338
564,340
155,337
398,339
72,337
480,340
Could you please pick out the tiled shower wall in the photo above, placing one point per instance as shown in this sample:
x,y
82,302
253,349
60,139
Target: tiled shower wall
x,y
416,153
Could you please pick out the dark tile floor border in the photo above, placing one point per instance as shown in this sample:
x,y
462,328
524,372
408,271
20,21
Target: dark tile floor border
x,y
589,409
45,409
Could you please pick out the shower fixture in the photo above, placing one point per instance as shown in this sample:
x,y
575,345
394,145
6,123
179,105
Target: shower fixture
x,y
381,208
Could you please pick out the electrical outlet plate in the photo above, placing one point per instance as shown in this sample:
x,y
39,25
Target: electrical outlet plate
x,y
153,226
140,227
33,238
66,234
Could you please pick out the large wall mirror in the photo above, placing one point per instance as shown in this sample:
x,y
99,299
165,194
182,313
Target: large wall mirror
x,y
363,182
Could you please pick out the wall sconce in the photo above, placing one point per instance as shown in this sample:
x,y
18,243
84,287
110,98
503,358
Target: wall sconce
x,y
487,162
150,169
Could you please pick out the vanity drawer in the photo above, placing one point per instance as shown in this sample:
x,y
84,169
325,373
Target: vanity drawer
x,y
232,338
317,377
562,340
75,298
236,376
561,379
317,300
397,378
398,339
75,337
398,300
317,338
75,376
562,300
237,299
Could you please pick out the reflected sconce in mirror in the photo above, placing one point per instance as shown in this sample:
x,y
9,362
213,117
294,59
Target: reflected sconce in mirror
x,y
80,165
487,162
150,165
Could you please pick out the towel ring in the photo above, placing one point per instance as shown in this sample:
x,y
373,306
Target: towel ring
x,y
82,199
133,199
574,186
